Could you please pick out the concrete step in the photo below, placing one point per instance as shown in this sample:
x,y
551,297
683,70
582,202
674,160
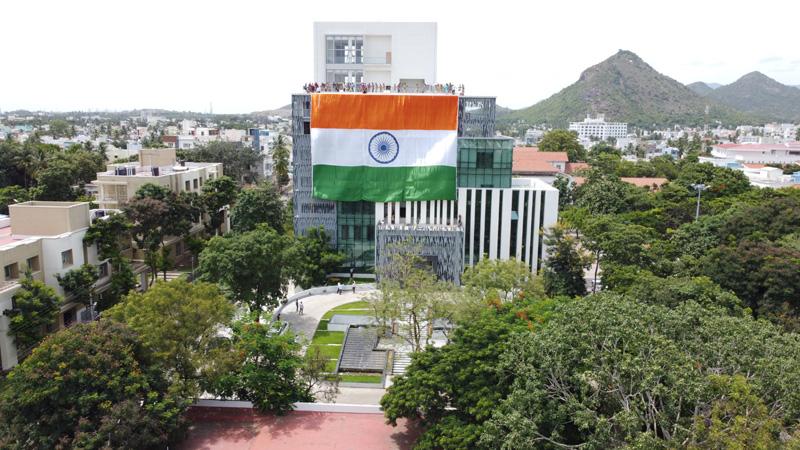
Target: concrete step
x,y
359,352
401,362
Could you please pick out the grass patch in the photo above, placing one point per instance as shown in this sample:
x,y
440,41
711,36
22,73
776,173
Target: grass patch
x,y
350,312
328,337
328,351
323,325
361,378
330,366
361,304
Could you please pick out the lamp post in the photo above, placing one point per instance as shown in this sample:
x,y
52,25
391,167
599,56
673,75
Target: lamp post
x,y
699,187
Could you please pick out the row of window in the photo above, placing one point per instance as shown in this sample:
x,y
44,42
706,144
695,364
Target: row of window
x,y
12,272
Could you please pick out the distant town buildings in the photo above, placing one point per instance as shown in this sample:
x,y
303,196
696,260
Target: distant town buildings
x,y
386,53
598,129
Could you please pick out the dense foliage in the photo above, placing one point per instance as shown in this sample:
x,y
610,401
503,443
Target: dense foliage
x,y
179,323
90,386
35,307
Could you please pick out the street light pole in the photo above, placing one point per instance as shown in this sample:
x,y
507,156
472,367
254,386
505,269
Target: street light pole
x,y
699,187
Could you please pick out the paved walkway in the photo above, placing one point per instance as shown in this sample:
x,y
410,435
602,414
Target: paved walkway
x,y
314,307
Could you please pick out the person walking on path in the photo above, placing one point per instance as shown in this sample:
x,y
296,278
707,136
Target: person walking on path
x,y
354,286
339,288
297,306
301,308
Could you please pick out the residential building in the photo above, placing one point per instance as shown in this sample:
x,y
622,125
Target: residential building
x,y
598,129
375,52
533,136
47,239
786,153
158,166
494,215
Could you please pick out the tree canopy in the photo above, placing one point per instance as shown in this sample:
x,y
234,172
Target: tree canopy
x,y
89,386
178,322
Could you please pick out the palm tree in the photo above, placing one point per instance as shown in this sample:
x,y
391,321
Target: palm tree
x,y
280,156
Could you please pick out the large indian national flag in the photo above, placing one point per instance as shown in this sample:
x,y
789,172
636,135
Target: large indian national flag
x,y
384,148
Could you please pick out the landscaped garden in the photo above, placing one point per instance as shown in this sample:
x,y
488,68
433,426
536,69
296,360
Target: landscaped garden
x,y
330,342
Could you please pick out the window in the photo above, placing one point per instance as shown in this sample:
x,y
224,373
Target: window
x,y
103,270
33,263
69,317
186,185
344,49
66,258
306,127
195,183
485,160
11,271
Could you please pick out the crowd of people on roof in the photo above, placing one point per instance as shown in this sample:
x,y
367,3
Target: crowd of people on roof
x,y
402,87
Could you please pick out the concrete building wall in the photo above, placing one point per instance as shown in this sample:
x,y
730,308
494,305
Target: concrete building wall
x,y
48,218
504,223
412,47
159,157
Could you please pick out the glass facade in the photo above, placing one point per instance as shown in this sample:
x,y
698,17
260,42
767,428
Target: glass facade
x,y
356,236
485,162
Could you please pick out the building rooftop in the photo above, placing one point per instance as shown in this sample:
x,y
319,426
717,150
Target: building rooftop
x,y
573,167
760,147
379,88
134,170
529,160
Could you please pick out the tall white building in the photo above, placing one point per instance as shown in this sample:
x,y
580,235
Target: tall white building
x,y
598,128
375,52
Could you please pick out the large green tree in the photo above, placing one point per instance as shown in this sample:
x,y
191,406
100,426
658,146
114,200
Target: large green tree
x,y
240,162
35,306
280,158
79,284
256,205
563,271
180,323
563,141
454,389
311,258
89,386
609,371
217,195
251,266
266,369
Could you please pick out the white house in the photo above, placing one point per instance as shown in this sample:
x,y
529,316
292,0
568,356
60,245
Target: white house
x,y
787,153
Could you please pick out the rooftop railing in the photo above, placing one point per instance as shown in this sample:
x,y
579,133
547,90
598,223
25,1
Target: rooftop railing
x,y
400,88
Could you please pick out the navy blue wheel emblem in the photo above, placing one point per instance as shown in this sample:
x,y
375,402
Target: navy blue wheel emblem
x,y
383,147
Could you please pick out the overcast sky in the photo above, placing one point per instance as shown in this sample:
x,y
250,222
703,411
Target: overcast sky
x,y
247,56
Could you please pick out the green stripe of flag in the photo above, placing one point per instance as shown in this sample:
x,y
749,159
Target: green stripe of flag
x,y
384,184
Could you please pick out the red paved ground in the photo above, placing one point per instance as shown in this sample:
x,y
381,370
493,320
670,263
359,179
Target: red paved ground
x,y
298,430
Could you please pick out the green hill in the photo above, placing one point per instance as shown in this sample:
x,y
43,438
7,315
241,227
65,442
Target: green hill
x,y
700,88
758,94
625,88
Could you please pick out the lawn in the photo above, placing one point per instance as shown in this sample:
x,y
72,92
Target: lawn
x,y
359,308
328,337
328,351
361,378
